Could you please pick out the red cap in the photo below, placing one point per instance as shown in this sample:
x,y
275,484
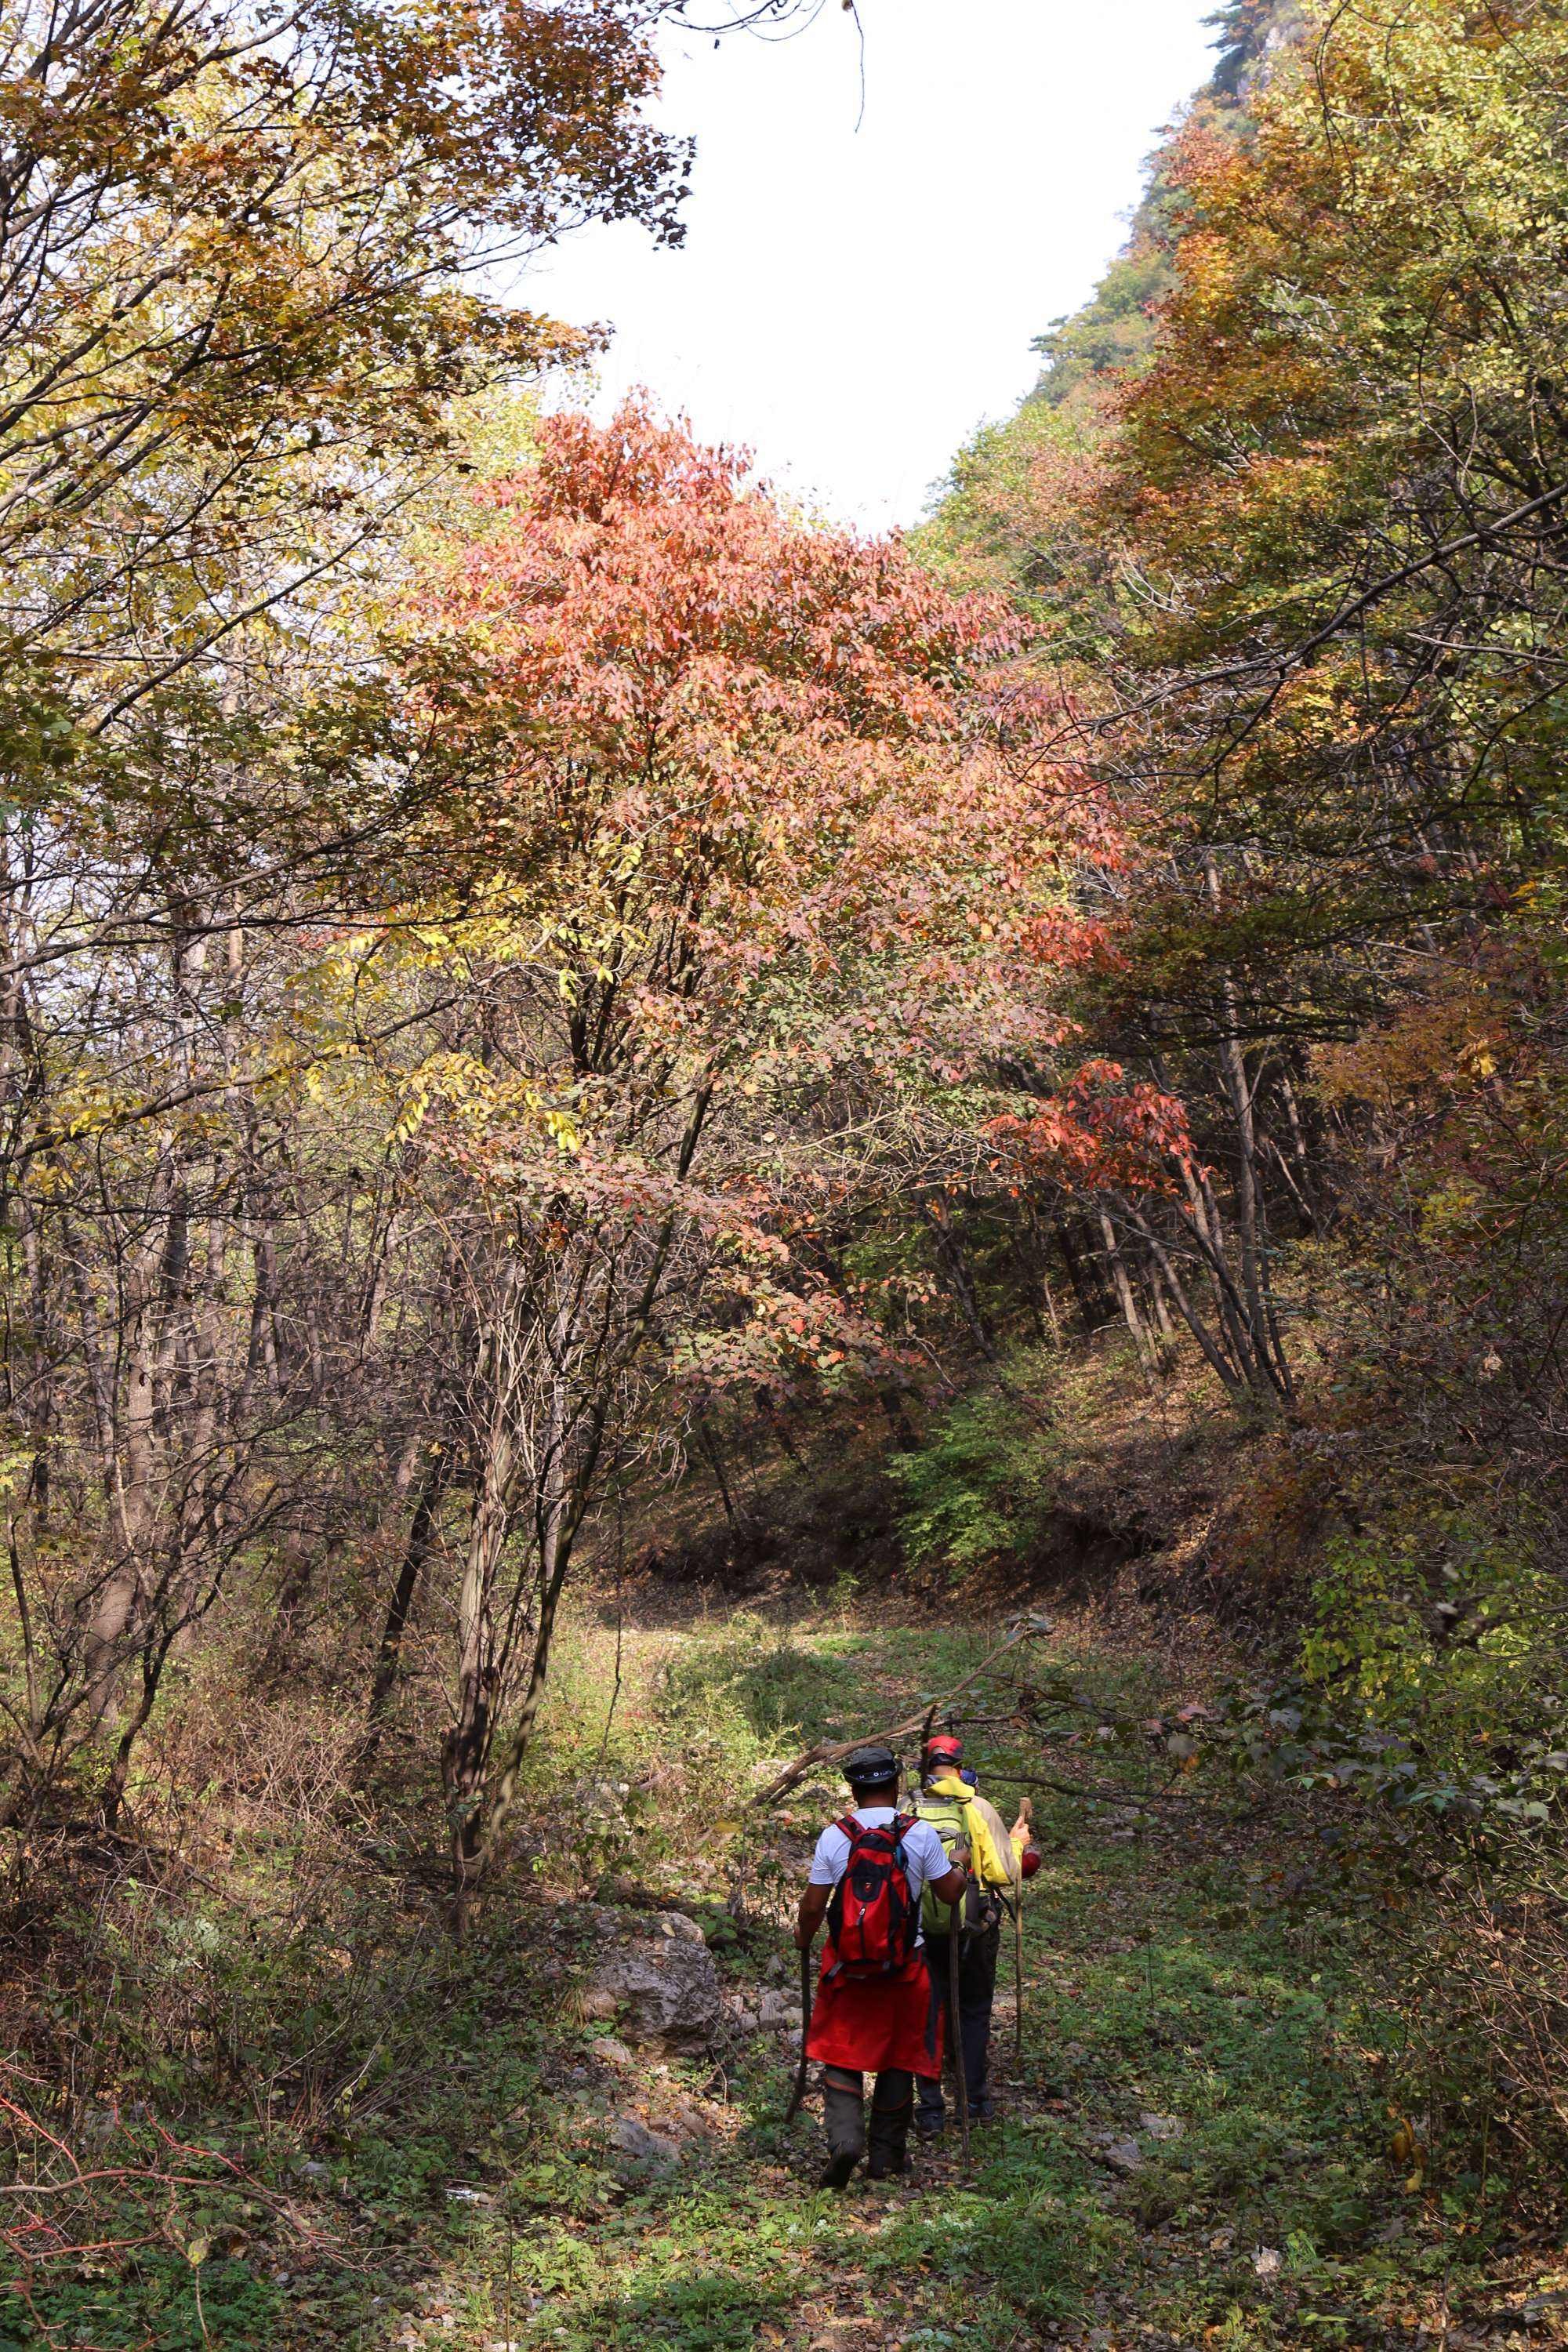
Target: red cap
x,y
1029,1861
945,1745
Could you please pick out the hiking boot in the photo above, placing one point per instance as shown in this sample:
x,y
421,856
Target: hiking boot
x,y
845,2117
891,2113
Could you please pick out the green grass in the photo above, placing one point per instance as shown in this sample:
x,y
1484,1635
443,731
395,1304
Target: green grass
x,y
1164,1978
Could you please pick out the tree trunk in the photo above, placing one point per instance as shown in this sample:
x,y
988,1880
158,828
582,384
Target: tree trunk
x,y
416,1552
1264,1331
1125,1294
1089,1308
951,1256
465,1752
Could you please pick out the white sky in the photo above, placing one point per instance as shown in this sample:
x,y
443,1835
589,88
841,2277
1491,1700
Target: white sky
x,y
852,302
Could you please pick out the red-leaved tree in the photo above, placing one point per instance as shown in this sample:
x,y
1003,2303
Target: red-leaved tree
x,y
740,821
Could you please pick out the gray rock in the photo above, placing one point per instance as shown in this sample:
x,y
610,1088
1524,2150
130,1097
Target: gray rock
x,y
666,1990
687,2120
677,1924
1124,2156
1162,2127
634,2140
779,2009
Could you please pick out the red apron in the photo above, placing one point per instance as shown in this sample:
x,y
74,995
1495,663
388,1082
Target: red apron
x,y
867,2024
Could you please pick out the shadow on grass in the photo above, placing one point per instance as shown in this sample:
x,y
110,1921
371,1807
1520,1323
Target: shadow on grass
x,y
707,2311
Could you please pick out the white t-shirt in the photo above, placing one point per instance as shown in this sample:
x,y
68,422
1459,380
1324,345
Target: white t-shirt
x,y
925,1856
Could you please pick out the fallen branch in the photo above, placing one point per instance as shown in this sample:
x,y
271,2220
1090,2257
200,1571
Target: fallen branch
x,y
1025,1630
1130,1798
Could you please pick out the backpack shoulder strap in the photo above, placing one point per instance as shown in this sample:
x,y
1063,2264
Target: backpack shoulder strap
x,y
850,1826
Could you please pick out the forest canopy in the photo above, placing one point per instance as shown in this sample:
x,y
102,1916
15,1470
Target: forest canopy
x,y
545,990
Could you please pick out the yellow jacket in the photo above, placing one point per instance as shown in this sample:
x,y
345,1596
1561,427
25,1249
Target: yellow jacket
x,y
960,1815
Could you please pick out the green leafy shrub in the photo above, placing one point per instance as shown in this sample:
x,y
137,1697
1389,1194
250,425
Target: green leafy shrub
x,y
982,1488
1448,1629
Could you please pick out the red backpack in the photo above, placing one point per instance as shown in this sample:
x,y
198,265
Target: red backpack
x,y
872,1921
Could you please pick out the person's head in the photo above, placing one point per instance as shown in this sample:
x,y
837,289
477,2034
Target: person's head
x,y
943,1753
873,1776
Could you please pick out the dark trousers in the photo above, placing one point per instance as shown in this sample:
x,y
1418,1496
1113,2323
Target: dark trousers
x,y
892,2104
977,1954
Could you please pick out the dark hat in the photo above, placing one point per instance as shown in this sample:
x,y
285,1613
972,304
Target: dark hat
x,y
869,1766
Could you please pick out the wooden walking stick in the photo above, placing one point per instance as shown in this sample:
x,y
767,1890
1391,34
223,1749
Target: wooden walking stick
x,y
960,2085
798,2093
1024,1817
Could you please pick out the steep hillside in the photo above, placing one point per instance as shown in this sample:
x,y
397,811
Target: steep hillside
x,y
978,531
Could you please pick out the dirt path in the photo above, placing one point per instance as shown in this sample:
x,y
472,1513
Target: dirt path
x,y
1193,2150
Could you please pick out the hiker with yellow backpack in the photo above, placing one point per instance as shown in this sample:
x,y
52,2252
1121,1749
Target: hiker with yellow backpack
x,y
999,1860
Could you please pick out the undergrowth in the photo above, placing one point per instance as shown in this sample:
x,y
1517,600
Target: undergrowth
x,y
1203,2134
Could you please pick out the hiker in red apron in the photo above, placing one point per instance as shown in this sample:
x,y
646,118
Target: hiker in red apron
x,y
873,2014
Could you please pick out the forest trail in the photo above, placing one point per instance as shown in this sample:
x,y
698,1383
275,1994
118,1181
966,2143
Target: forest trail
x,y
1192,2151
